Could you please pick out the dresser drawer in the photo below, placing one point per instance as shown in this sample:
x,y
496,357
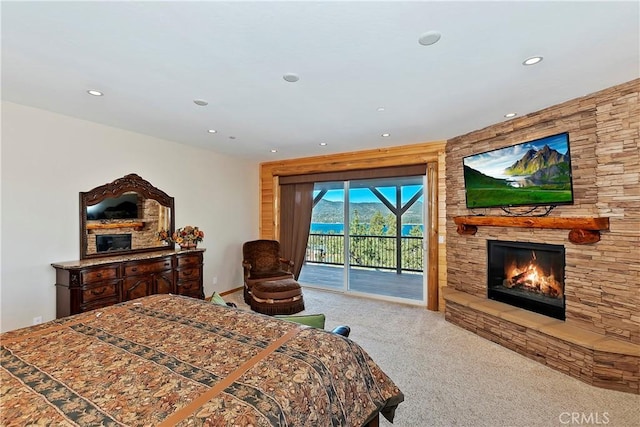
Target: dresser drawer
x,y
98,304
99,291
189,287
132,269
98,274
189,261
189,274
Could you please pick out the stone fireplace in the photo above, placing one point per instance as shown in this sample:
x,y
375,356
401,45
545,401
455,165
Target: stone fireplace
x,y
598,341
527,275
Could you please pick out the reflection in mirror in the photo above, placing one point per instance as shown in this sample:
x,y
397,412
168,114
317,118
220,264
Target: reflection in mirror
x,y
132,226
126,206
124,216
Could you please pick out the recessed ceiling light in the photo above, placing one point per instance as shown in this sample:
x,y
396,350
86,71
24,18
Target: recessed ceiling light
x,y
509,115
212,131
429,38
200,102
384,135
95,92
323,144
274,151
291,77
380,109
533,60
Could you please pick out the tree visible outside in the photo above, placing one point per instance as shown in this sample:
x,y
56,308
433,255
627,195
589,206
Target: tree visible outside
x,y
373,240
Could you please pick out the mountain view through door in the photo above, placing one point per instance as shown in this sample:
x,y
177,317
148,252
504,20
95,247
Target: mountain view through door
x,y
375,246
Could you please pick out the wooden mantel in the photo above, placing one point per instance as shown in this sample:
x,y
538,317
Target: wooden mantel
x,y
583,230
137,225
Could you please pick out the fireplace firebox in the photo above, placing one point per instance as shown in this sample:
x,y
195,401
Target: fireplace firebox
x,y
527,275
113,242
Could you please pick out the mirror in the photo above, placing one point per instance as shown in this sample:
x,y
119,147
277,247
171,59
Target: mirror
x,y
124,216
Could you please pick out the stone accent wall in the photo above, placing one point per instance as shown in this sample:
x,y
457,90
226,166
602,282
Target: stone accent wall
x,y
602,284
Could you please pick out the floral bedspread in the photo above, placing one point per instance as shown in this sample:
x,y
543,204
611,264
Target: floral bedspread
x,y
171,360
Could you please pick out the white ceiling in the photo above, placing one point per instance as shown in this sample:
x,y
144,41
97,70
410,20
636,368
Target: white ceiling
x,y
152,59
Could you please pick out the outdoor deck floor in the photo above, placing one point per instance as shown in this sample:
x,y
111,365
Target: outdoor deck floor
x,y
378,282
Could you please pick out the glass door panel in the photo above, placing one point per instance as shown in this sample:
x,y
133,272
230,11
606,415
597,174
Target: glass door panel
x,y
385,241
324,263
383,252
412,241
371,249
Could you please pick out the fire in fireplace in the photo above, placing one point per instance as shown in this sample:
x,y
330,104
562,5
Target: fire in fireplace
x,y
527,275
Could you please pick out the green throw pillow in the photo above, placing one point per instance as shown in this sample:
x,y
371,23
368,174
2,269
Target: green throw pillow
x,y
313,320
217,299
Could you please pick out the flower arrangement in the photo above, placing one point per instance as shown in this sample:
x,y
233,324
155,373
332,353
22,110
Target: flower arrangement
x,y
188,236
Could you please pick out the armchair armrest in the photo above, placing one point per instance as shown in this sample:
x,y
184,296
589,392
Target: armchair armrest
x,y
246,267
287,263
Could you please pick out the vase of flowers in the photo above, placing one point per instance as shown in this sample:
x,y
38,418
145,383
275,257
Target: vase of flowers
x,y
187,237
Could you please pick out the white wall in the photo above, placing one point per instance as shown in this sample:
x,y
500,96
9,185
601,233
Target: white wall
x,y
47,159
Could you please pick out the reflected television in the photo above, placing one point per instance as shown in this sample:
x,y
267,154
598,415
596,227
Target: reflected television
x,y
126,206
532,173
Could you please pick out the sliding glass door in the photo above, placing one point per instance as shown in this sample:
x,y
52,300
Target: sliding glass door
x,y
324,262
375,246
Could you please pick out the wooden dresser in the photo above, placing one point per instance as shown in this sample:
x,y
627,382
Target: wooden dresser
x,y
93,283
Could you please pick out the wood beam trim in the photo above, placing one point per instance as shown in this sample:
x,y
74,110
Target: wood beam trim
x,y
395,156
432,236
432,154
138,225
583,230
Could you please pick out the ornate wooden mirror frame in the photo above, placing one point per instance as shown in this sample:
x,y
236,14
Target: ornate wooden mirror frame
x,y
118,233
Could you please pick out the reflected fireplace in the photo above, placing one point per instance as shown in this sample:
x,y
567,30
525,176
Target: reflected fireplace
x,y
113,242
527,275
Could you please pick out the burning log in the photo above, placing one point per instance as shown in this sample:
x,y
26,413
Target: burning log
x,y
551,287
532,279
519,278
508,284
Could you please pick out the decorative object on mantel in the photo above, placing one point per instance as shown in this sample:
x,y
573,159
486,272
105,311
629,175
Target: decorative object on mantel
x,y
583,230
187,237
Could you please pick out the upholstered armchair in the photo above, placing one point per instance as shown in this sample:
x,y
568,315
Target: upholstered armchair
x,y
262,261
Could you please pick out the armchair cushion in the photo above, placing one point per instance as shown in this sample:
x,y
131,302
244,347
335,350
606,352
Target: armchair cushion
x,y
270,275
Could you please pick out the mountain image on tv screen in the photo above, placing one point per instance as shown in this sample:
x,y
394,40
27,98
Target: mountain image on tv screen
x,y
530,173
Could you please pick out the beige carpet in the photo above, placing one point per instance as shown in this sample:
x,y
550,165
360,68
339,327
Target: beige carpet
x,y
451,377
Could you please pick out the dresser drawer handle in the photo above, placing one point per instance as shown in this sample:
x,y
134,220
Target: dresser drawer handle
x,y
167,264
187,273
98,292
99,275
134,269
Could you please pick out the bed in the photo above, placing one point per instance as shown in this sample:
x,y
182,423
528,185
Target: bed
x,y
170,360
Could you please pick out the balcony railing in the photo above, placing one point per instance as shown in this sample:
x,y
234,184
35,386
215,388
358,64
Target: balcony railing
x,y
367,251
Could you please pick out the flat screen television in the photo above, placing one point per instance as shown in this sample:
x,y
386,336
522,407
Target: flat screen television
x,y
121,207
531,173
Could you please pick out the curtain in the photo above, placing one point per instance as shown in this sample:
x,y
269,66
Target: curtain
x,y
296,203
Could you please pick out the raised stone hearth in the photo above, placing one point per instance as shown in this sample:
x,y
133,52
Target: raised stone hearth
x,y
590,357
